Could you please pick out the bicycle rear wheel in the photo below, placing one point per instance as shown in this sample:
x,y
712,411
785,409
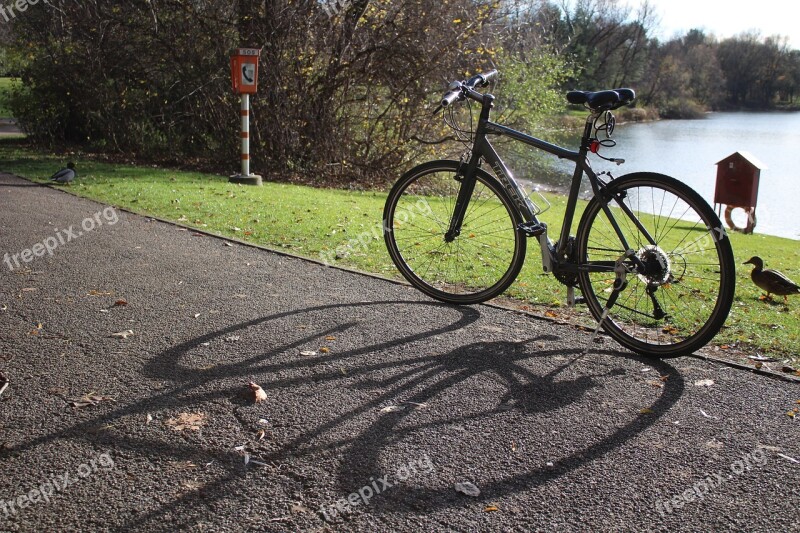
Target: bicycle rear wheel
x,y
478,264
683,298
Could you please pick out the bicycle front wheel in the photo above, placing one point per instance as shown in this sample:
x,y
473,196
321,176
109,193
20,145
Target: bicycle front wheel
x,y
683,296
478,264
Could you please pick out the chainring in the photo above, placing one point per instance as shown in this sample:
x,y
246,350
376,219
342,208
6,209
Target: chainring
x,y
569,279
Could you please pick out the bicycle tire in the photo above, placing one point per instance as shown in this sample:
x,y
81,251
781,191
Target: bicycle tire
x,y
477,265
690,269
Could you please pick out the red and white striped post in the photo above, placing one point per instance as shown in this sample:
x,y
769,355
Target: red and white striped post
x,y
245,135
244,72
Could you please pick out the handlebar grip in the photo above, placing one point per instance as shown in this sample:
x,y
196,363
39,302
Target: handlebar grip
x,y
450,97
489,76
481,80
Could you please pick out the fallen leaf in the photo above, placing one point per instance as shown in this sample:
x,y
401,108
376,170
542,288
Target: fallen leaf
x,y
646,411
149,418
790,414
226,243
192,421
197,315
792,459
120,303
788,369
707,415
490,509
392,408
330,338
90,399
704,383
257,394
468,489
260,434
325,349
308,353
97,293
233,338
123,334
762,358
550,314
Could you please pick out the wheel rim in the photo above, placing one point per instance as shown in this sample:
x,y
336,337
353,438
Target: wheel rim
x,y
477,262
677,301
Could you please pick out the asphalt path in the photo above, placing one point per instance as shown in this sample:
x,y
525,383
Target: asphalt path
x,y
378,400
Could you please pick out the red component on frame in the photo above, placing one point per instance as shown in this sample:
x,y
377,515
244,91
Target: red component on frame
x,y
594,146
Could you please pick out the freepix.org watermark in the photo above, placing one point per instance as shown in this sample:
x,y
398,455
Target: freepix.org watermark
x,y
362,242
700,489
49,488
377,486
9,11
107,216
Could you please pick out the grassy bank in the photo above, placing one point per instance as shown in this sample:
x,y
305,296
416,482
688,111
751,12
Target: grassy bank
x,y
344,227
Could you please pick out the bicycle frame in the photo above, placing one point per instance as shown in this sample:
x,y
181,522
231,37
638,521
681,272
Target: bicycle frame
x,y
551,254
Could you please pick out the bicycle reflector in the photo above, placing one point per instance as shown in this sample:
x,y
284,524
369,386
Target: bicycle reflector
x,y
594,146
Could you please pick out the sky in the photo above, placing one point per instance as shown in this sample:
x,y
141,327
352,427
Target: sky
x,y
726,18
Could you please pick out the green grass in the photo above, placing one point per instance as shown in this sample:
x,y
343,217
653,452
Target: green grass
x,y
5,87
344,227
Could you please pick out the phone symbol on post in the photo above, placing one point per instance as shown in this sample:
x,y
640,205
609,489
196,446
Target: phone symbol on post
x,y
248,73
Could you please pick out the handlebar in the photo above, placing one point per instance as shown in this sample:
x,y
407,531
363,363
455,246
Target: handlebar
x,y
459,90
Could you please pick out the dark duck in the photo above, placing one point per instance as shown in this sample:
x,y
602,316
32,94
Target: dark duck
x,y
771,281
65,175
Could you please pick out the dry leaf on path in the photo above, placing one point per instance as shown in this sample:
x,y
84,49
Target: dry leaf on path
x,y
392,408
704,383
257,394
120,303
193,421
308,353
123,334
90,399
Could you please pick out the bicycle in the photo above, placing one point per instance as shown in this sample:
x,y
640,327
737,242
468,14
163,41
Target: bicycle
x,y
651,258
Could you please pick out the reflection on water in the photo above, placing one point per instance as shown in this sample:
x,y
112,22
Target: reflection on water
x,y
688,150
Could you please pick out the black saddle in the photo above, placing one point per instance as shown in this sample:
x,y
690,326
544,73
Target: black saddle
x,y
602,100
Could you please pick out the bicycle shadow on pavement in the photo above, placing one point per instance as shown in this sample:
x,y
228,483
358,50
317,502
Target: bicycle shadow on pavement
x,y
350,418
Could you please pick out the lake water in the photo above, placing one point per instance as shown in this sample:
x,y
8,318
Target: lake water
x,y
689,149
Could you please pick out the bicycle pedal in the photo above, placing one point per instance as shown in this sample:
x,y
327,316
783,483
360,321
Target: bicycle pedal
x,y
532,229
573,300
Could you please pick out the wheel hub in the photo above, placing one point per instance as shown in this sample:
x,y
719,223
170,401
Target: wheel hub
x,y
657,266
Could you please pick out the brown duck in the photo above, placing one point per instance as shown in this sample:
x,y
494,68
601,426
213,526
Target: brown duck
x,y
770,280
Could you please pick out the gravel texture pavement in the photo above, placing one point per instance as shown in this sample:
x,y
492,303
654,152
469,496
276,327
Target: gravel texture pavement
x,y
378,400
